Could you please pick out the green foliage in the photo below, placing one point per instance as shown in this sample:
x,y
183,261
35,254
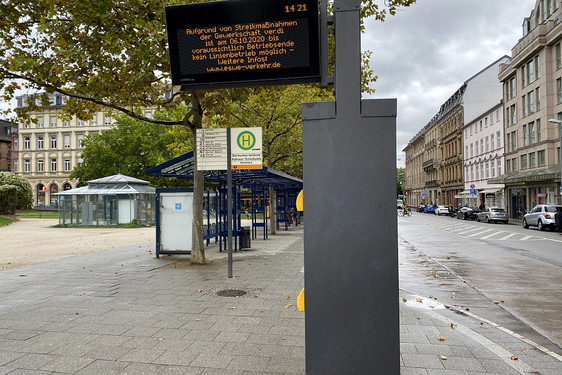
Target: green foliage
x,y
400,180
24,196
129,148
8,199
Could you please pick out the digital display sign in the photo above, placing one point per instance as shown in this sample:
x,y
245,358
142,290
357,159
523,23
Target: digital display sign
x,y
243,43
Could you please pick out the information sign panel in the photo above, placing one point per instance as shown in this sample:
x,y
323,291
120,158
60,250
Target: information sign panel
x,y
211,149
240,43
246,148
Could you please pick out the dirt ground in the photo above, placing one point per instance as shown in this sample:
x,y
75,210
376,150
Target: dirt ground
x,y
31,241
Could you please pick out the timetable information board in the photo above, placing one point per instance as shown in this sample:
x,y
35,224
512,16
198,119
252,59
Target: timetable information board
x,y
211,149
241,43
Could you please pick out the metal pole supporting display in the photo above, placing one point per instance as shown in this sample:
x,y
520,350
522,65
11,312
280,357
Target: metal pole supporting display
x,y
229,204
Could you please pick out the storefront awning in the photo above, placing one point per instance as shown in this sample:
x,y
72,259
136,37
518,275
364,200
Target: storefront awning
x,y
485,191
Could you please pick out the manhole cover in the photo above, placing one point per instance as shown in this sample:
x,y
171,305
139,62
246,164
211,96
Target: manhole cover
x,y
231,293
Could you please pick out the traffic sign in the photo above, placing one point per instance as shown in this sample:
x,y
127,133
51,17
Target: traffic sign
x,y
472,191
246,148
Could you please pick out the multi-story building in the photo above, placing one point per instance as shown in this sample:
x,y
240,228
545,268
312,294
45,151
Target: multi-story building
x,y
532,91
7,132
414,173
50,147
483,158
443,157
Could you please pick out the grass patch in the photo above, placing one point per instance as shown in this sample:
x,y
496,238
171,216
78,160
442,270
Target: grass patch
x,y
133,224
5,221
33,214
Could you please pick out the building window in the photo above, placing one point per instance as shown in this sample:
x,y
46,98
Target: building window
x,y
512,88
53,142
513,141
53,165
80,122
487,144
148,114
470,129
40,142
532,160
67,165
471,173
538,129
537,67
481,146
513,115
16,166
94,120
480,125
499,139
487,170
524,135
530,72
508,165
15,143
477,173
558,56
541,157
491,118
538,98
26,165
67,141
482,171
471,150
39,122
26,143
53,121
39,165
486,122
107,120
523,75
466,151
531,133
559,89
514,164
523,161
66,124
498,115
493,168
524,105
79,140
492,139
499,166
531,102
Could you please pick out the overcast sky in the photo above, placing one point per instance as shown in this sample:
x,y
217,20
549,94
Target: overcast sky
x,y
427,51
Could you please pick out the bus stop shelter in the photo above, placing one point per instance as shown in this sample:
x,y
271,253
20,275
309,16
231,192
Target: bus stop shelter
x,y
256,181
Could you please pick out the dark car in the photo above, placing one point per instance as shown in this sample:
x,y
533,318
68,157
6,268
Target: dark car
x,y
466,213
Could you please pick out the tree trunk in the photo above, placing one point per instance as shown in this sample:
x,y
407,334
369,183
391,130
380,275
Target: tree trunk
x,y
197,244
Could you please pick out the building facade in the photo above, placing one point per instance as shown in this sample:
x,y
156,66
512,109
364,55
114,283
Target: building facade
x,y
532,91
6,147
483,158
49,147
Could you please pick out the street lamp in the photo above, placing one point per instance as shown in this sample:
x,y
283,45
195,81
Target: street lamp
x,y
559,122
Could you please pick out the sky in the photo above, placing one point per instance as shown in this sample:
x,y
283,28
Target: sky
x,y
424,53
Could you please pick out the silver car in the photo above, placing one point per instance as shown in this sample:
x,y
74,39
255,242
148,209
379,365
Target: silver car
x,y
492,215
541,216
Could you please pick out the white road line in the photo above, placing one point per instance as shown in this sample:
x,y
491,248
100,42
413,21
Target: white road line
x,y
525,238
506,237
476,234
468,231
491,235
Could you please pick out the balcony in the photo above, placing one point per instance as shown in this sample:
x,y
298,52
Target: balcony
x,y
432,183
429,164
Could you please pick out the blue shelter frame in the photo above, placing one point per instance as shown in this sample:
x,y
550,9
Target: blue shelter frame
x,y
258,181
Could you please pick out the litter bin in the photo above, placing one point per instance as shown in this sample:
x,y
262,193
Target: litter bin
x,y
245,238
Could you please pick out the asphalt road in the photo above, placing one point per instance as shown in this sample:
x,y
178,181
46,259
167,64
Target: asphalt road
x,y
504,273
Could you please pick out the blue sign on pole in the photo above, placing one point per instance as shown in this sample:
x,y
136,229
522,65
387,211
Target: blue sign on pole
x,y
472,191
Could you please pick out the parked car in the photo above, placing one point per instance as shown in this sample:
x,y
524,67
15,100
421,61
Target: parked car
x,y
442,210
466,213
541,216
492,215
430,208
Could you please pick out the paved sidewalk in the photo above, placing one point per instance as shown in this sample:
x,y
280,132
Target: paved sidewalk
x,y
123,311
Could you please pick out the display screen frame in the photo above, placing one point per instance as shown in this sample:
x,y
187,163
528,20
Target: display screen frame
x,y
202,17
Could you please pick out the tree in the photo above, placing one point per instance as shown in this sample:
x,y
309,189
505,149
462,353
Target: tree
x,y
110,55
24,196
130,147
400,181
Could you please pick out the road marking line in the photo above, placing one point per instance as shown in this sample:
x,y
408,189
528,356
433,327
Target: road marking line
x,y
468,231
525,238
506,237
476,234
491,235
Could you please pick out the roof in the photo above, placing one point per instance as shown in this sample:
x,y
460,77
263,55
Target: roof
x,y
182,167
113,185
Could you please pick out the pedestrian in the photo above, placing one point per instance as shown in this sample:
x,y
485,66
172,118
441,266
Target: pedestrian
x,y
558,219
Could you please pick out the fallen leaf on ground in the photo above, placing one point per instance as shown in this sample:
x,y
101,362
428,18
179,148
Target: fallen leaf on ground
x,y
513,357
287,297
233,308
441,338
199,291
442,357
404,300
160,338
287,306
419,300
502,301
281,320
453,325
197,320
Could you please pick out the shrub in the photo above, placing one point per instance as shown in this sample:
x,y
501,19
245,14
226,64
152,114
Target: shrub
x,y
8,199
24,196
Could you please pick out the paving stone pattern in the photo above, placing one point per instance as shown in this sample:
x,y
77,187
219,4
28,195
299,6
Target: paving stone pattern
x,y
125,312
